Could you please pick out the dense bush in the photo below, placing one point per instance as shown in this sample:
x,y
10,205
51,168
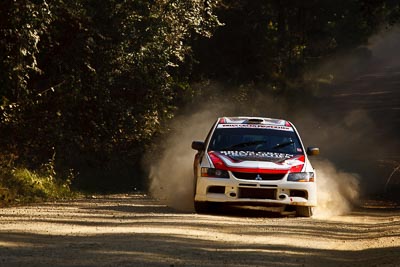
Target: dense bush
x,y
20,185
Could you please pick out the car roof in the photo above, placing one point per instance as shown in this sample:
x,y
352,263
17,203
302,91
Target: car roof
x,y
253,120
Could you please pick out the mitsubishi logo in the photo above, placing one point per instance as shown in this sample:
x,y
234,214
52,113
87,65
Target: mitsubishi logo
x,y
258,178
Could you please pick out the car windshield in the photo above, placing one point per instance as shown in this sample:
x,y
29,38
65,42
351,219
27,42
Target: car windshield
x,y
257,140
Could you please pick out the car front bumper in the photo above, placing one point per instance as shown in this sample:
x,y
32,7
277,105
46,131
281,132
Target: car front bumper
x,y
238,191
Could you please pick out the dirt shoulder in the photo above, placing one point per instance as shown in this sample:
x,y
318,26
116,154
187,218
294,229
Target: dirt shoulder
x,y
135,230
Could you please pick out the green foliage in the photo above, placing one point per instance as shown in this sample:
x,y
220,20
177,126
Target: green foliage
x,y
20,185
21,25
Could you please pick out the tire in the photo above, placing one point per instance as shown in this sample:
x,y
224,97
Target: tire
x,y
304,211
201,207
205,207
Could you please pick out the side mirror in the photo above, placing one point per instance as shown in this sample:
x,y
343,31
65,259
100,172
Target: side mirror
x,y
198,145
312,151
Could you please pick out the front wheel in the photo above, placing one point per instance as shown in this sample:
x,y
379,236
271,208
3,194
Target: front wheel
x,y
201,207
304,211
205,207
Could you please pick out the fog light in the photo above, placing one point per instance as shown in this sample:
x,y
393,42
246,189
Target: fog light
x,y
301,177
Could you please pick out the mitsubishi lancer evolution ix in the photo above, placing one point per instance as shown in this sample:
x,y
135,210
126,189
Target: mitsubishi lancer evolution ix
x,y
254,161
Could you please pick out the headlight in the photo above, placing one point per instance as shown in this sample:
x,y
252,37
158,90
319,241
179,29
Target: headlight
x,y
301,177
211,172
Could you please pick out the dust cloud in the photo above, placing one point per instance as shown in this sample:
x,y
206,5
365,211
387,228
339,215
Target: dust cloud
x,y
385,46
171,177
338,191
341,143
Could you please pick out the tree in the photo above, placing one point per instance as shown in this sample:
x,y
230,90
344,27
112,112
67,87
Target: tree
x,y
91,82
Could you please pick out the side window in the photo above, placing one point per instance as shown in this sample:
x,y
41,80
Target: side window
x,y
209,132
217,142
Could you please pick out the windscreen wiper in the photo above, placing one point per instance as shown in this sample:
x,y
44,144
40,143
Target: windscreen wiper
x,y
283,144
244,144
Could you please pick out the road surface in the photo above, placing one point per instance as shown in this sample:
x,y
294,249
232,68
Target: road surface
x,y
136,230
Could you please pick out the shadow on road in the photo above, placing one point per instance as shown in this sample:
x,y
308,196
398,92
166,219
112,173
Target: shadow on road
x,y
137,231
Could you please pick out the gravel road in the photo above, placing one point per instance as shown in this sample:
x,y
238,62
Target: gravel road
x,y
136,230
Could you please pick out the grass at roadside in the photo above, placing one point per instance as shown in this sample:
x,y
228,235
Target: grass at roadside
x,y
19,185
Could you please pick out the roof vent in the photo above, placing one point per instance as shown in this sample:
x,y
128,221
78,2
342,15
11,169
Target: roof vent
x,y
255,121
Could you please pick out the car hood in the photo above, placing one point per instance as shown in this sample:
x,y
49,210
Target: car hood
x,y
260,162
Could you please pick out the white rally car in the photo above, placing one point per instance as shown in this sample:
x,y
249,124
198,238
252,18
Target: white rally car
x,y
254,161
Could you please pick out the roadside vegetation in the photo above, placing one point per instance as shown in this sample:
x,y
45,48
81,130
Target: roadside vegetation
x,y
18,185
86,86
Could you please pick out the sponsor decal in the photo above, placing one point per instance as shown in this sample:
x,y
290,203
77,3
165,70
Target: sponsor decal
x,y
225,160
256,126
257,155
221,163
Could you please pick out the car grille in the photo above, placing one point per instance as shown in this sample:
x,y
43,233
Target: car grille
x,y
261,176
257,193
